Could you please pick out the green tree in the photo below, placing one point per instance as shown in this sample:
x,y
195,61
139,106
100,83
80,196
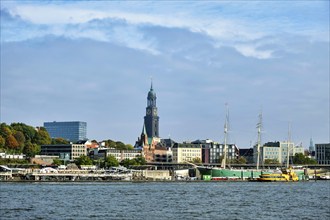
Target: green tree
x,y
129,147
140,160
301,159
28,131
271,161
120,145
83,160
239,160
57,162
42,137
59,141
5,130
30,150
196,160
2,142
126,162
111,161
19,136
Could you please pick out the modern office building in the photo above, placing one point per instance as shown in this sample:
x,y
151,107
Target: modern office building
x,y
322,153
248,154
70,130
278,151
64,151
213,152
207,151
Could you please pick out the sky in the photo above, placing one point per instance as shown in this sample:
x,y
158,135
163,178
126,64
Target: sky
x,y
93,61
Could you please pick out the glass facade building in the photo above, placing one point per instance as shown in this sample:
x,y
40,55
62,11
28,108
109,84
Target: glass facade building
x,y
323,153
71,130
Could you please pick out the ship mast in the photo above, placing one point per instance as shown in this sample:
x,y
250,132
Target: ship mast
x,y
223,163
259,126
289,140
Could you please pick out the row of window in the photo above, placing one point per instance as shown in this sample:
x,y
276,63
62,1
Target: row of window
x,y
125,155
191,150
190,155
77,150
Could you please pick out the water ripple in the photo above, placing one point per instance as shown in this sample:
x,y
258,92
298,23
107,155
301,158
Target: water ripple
x,y
200,200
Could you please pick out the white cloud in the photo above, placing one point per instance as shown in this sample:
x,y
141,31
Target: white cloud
x,y
54,15
226,24
199,66
252,51
133,38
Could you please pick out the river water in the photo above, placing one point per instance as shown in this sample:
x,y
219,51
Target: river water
x,y
165,200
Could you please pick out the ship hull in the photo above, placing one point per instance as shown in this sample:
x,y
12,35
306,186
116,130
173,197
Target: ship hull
x,y
215,173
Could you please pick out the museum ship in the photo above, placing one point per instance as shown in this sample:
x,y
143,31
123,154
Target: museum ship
x,y
223,173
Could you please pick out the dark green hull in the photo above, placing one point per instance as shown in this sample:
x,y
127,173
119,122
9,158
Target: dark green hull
x,y
219,173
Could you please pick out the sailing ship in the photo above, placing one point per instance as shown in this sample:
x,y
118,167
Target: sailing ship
x,y
223,173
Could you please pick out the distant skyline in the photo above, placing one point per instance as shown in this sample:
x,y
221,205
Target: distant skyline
x,y
92,61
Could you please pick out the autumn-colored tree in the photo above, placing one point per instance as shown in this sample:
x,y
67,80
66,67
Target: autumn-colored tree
x,y
30,150
28,131
11,143
20,138
2,142
5,130
42,137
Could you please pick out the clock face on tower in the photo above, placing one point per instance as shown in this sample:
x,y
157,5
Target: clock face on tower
x,y
155,111
148,111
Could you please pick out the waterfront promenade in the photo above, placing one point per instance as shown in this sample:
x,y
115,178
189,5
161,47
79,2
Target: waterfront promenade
x,y
53,175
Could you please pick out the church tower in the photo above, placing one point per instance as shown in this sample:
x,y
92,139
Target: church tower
x,y
151,120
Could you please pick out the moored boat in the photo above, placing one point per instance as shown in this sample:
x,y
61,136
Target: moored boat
x,y
324,177
286,175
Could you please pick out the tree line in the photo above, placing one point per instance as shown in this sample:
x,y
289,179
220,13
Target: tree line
x,y
19,138
117,145
109,161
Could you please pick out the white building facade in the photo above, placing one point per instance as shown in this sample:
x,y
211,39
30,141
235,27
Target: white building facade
x,y
278,151
186,152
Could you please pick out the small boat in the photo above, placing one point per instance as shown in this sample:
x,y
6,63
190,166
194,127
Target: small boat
x,y
287,175
325,177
